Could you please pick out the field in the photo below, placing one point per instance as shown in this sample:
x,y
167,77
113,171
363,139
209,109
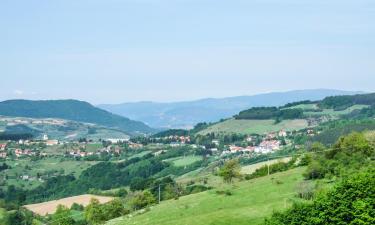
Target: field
x,y
251,168
250,202
43,167
184,161
332,113
255,126
50,207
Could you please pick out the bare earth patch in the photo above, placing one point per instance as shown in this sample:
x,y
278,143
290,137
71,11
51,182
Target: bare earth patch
x,y
50,207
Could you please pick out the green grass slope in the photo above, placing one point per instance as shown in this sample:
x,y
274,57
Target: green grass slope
x,y
250,203
254,126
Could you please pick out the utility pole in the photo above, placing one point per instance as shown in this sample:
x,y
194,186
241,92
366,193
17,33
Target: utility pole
x,y
159,193
268,165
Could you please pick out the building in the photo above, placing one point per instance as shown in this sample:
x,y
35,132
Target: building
x,y
52,142
282,133
45,137
2,147
3,155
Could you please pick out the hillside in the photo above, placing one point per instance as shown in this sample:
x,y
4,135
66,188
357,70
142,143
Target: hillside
x,y
297,115
55,129
187,114
71,110
250,202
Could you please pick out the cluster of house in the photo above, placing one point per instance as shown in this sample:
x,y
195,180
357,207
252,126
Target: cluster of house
x,y
26,152
3,153
176,139
264,147
268,145
82,153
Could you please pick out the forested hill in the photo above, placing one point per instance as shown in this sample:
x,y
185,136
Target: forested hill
x,y
71,110
296,110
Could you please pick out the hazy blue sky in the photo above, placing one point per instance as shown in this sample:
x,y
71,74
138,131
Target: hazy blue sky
x,y
107,51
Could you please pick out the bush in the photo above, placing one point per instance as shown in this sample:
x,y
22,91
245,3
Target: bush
x,y
352,202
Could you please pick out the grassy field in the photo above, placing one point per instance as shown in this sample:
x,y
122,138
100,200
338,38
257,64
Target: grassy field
x,y
250,202
251,168
184,160
50,207
48,165
255,126
332,113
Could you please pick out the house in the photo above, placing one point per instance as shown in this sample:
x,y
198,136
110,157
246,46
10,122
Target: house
x,y
235,149
3,155
2,147
18,152
117,140
45,137
282,133
216,142
214,150
135,145
175,144
270,145
52,142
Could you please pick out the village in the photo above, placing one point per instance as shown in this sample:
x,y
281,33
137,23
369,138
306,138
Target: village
x,y
251,144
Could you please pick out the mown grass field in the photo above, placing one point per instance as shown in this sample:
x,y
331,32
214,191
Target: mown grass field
x,y
250,202
255,126
333,113
184,160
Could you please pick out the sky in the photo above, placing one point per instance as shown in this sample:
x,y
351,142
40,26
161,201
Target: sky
x,y
113,51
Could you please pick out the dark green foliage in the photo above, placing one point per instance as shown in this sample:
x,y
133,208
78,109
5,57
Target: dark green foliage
x,y
142,199
273,168
172,132
70,110
348,155
298,103
352,202
264,113
18,217
15,137
103,176
331,131
342,102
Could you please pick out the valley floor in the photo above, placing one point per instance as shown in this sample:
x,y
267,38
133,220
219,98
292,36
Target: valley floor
x,y
250,202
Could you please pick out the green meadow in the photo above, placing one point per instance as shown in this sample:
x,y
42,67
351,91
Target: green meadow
x,y
250,203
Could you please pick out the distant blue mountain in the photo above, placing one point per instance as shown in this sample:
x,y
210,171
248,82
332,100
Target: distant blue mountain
x,y
187,114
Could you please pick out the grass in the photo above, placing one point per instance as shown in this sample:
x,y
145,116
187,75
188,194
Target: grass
x,y
333,113
255,126
304,106
251,168
28,167
184,160
250,202
2,214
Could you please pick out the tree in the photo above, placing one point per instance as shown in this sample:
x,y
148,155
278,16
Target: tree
x,y
114,209
62,216
94,213
230,170
142,199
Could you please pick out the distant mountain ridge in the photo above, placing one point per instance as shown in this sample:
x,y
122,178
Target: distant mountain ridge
x,y
74,110
187,114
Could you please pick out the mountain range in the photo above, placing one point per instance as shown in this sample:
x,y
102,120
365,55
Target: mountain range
x,y
73,110
188,113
